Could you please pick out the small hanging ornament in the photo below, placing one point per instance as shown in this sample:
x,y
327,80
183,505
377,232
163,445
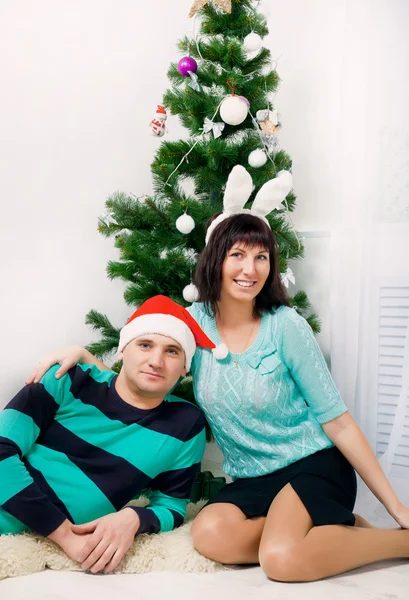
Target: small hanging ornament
x,y
186,64
257,158
287,277
252,42
271,143
185,224
263,8
234,109
191,293
269,121
194,82
158,123
210,125
225,5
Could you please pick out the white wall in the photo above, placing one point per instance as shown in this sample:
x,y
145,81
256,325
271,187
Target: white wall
x,y
80,82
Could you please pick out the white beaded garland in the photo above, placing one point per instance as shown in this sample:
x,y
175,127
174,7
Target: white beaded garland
x,y
185,224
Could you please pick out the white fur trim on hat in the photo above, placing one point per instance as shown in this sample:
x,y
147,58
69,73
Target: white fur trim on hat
x,y
160,324
220,352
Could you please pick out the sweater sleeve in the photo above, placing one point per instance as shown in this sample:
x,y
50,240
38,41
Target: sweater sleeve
x,y
306,363
171,489
21,422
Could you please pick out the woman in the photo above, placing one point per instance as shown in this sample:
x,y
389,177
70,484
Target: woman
x,y
288,440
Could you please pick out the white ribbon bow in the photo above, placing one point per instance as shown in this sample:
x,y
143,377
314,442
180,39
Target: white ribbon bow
x,y
194,81
217,128
287,277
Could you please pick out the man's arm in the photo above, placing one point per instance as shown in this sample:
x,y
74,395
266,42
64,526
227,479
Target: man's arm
x,y
351,441
21,422
111,536
171,489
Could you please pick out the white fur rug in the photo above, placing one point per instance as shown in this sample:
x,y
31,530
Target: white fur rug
x,y
27,553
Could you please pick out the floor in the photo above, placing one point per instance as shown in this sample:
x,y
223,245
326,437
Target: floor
x,y
387,581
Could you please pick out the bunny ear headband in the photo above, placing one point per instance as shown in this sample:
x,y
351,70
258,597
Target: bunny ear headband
x,y
238,190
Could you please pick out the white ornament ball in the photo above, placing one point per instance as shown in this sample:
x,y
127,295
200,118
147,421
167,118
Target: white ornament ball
x,y
191,293
252,42
221,351
257,158
263,8
233,110
185,224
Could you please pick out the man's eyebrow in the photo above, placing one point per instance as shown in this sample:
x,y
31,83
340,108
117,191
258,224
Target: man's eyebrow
x,y
174,347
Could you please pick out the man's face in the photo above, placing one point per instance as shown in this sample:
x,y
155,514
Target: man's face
x,y
152,364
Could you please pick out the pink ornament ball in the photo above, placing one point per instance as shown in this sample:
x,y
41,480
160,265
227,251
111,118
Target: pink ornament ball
x,y
186,64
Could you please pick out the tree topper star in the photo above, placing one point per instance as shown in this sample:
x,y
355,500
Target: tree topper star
x,y
199,4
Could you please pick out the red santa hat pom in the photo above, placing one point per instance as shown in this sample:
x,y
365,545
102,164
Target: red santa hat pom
x,y
160,315
221,351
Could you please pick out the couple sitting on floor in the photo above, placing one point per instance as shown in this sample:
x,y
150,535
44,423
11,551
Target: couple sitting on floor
x,y
78,446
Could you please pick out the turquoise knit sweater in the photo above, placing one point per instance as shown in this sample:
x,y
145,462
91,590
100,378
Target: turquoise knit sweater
x,y
267,412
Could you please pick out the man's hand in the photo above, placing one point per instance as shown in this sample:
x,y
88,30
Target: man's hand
x,y
109,538
72,543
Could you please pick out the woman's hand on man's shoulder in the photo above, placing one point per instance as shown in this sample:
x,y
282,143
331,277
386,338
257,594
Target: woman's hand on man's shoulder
x,y
66,357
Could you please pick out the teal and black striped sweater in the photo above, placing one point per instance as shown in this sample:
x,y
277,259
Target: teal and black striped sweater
x,y
72,448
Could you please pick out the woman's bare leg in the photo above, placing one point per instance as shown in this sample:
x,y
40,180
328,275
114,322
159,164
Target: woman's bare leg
x,y
222,532
292,549
361,522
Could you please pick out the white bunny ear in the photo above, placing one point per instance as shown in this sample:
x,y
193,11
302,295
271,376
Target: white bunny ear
x,y
272,193
238,189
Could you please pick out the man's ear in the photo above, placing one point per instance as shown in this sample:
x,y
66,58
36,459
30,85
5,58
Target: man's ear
x,y
183,374
120,355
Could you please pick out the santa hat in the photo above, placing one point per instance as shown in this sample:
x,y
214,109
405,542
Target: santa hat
x,y
161,110
160,315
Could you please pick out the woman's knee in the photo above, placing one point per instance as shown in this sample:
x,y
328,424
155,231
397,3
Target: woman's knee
x,y
206,533
285,563
210,530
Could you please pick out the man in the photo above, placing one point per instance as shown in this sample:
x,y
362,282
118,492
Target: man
x,y
77,449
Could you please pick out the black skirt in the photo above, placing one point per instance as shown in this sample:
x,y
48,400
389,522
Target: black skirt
x,y
324,481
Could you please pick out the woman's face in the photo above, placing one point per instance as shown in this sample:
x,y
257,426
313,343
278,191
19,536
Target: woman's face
x,y
244,272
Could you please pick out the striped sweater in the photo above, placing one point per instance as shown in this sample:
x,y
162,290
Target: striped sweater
x,y
72,448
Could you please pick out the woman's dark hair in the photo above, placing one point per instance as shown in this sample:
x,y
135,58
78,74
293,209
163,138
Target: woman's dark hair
x,y
252,232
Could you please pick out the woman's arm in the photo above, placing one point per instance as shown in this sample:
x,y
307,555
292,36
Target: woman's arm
x,y
67,358
345,433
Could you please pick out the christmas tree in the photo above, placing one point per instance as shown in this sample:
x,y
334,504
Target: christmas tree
x,y
221,90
